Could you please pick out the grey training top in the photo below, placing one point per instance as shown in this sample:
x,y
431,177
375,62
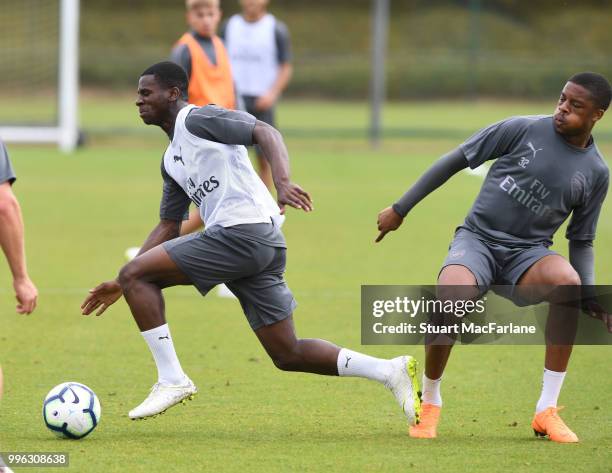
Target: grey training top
x,y
6,169
180,53
537,180
210,123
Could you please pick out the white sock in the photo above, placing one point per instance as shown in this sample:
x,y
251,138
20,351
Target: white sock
x,y
352,363
551,387
431,391
160,343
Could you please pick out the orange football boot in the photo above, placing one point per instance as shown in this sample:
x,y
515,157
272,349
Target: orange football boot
x,y
549,423
426,428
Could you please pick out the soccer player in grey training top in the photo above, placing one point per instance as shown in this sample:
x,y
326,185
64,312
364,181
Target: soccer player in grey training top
x,y
207,162
546,168
11,237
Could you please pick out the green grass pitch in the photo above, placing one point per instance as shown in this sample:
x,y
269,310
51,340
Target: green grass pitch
x,y
82,211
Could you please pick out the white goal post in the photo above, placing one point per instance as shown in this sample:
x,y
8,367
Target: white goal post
x,y
378,76
65,132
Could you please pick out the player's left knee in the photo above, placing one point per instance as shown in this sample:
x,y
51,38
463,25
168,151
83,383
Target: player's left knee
x,y
127,275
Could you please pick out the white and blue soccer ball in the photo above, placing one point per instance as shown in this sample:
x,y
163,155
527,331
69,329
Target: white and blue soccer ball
x,y
71,410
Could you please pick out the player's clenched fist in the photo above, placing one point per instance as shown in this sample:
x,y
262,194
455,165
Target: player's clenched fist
x,y
26,295
388,221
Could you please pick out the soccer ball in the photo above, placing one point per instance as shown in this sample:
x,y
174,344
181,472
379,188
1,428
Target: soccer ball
x,y
71,410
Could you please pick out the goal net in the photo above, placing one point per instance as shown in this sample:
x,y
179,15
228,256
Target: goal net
x,y
39,71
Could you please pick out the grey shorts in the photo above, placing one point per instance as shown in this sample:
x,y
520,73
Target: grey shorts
x,y
492,263
249,259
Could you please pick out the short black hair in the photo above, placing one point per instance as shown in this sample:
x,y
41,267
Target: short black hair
x,y
169,75
597,85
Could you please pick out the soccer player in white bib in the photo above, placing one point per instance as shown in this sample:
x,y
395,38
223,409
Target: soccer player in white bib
x,y
206,162
259,49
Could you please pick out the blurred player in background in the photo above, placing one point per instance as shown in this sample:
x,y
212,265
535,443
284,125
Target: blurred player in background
x,y
547,167
12,239
260,52
203,56
243,246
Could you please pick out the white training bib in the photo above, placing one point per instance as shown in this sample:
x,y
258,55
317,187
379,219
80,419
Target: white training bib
x,y
218,178
252,51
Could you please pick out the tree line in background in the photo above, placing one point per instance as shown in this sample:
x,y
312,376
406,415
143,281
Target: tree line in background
x,y
436,48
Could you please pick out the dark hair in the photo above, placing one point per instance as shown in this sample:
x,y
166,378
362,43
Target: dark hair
x,y
597,85
169,75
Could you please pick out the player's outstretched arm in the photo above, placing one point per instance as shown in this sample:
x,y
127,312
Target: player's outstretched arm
x,y
273,148
441,171
11,241
106,294
388,221
582,258
594,309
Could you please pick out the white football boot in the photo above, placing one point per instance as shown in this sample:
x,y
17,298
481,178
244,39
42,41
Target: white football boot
x,y
404,385
163,397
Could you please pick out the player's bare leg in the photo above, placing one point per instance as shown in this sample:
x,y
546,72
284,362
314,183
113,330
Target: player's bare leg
x,y
321,357
550,271
436,354
292,354
142,281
